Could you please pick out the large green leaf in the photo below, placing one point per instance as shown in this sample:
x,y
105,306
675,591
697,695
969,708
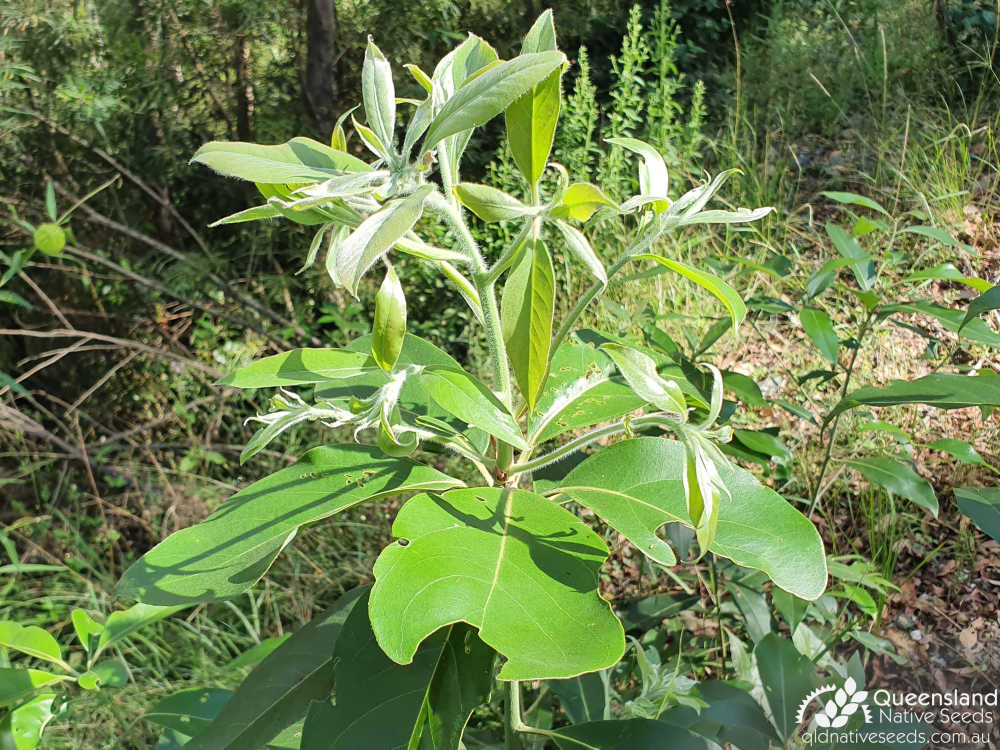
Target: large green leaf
x,y
379,95
232,549
21,729
189,711
581,390
521,569
299,161
953,320
382,704
899,478
627,734
960,450
16,684
787,676
299,367
722,291
488,94
490,203
989,300
29,639
982,505
464,396
639,370
531,118
277,692
527,308
583,698
945,391
819,328
375,236
636,486
742,720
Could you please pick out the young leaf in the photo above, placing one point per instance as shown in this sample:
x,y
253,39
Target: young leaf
x,y
231,550
379,95
489,203
520,569
819,328
899,478
640,372
488,94
580,201
854,199
375,236
531,118
278,691
462,395
847,246
389,328
722,291
653,178
50,201
580,247
526,309
639,481
299,367
31,640
85,627
300,160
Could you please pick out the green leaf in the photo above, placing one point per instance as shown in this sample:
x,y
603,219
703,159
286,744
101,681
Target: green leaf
x,y
743,723
120,625
640,373
941,235
379,95
854,199
948,272
744,388
580,247
958,449
531,126
526,309
389,328
848,247
189,711
627,734
29,639
112,673
278,691
299,367
85,627
639,481
982,505
89,680
400,705
649,612
899,478
257,653
15,299
489,203
819,328
989,300
791,608
580,391
953,320
486,95
232,549
787,676
464,396
945,391
21,729
50,201
375,236
653,178
299,161
583,698
267,211
17,684
722,291
521,569
580,201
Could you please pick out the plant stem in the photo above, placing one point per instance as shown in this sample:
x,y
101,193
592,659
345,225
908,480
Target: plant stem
x,y
512,715
836,421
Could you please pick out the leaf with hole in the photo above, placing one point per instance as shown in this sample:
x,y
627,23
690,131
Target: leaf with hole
x,y
519,568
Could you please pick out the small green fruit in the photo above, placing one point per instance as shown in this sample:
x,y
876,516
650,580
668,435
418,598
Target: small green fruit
x,y
50,239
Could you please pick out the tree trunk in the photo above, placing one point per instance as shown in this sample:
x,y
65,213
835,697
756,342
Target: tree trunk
x,y
320,85
244,87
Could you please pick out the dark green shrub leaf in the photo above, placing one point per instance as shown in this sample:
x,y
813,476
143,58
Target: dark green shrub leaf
x,y
583,698
819,328
189,711
232,549
21,729
862,265
787,676
627,734
17,684
988,300
899,478
944,391
982,505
